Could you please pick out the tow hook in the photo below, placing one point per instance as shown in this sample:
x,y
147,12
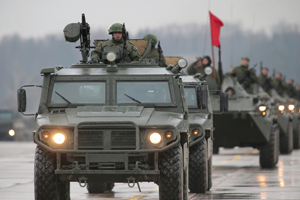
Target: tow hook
x,y
82,181
131,183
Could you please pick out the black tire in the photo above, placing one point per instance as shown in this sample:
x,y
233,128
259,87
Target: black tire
x,y
171,174
198,173
95,187
209,174
46,185
216,150
286,140
269,153
297,137
110,186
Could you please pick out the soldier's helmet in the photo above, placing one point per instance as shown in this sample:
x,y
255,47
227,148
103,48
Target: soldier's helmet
x,y
115,28
151,37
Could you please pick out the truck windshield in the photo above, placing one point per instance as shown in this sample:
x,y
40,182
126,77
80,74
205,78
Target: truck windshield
x,y
143,92
78,93
191,96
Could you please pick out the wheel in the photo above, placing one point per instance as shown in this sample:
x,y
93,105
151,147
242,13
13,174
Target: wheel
x,y
209,174
216,150
46,186
95,187
269,153
110,186
286,140
198,173
171,173
297,138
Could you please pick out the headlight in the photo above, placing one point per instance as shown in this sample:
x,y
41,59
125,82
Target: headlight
x,y
168,134
195,131
208,70
111,56
59,138
281,107
262,108
155,138
182,63
11,132
291,107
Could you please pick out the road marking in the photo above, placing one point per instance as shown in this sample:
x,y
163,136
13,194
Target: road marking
x,y
137,197
236,157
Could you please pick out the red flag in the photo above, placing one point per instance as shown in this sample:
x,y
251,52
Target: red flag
x,y
215,26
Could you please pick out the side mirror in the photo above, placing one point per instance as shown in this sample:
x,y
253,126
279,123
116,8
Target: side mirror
x,y
22,100
223,101
202,96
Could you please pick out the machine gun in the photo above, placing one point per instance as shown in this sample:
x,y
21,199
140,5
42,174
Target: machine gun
x,y
160,63
125,37
247,74
74,31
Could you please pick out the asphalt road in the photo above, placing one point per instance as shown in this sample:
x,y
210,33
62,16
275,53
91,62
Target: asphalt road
x,y
236,175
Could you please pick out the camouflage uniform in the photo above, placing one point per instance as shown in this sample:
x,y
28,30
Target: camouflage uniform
x,y
193,69
153,54
291,91
265,82
132,51
242,72
279,86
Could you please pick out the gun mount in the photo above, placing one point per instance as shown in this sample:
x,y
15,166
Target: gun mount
x,y
74,31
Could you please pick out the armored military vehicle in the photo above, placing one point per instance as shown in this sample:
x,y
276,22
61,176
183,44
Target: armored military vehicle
x,y
294,108
7,132
249,122
201,127
284,121
110,122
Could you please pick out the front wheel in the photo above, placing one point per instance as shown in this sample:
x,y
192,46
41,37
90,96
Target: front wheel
x,y
171,174
269,152
198,168
297,137
46,185
286,140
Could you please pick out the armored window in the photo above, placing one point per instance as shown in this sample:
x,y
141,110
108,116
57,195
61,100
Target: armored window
x,y
143,92
78,93
191,96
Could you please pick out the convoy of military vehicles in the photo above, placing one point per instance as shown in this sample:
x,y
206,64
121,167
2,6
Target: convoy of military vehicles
x,y
109,122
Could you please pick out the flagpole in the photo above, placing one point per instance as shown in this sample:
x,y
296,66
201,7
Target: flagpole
x,y
213,58
220,69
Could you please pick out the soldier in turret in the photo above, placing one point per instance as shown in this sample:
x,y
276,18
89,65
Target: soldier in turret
x,y
245,76
117,41
154,54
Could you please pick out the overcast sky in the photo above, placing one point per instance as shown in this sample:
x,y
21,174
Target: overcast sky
x,y
38,18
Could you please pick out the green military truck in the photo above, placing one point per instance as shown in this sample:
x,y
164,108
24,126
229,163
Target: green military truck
x,y
98,124
201,127
249,122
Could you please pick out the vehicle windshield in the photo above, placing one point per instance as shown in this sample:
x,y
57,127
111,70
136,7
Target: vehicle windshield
x,y
78,93
143,92
191,96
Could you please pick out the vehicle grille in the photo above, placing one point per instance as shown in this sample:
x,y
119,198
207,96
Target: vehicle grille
x,y
90,139
122,138
99,139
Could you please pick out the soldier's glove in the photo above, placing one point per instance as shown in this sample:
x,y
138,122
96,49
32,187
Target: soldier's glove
x,y
93,61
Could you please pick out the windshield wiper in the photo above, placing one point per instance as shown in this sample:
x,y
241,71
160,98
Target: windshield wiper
x,y
132,98
63,98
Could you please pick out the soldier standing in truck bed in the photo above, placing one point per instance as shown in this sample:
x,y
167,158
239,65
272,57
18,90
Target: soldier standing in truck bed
x,y
117,41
